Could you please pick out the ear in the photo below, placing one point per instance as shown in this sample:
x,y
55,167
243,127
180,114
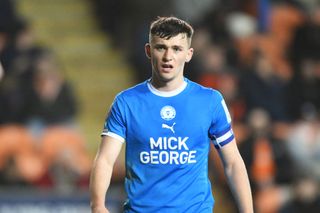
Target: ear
x,y
147,50
189,55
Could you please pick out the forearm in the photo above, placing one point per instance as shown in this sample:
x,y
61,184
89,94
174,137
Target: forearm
x,y
239,184
99,182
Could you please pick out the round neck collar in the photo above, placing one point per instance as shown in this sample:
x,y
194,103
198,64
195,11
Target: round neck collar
x,y
166,93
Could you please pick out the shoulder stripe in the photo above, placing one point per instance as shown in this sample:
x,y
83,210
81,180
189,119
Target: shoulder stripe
x,y
226,111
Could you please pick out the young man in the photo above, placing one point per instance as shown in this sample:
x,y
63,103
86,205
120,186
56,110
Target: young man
x,y
167,123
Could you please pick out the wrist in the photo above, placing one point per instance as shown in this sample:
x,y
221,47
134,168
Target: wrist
x,y
99,209
95,205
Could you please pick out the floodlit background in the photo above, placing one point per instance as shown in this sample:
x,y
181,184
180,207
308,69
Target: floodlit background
x,y
65,60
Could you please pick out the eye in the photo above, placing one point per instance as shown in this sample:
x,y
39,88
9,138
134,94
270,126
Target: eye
x,y
177,49
160,47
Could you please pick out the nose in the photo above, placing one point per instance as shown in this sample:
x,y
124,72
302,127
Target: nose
x,y
167,56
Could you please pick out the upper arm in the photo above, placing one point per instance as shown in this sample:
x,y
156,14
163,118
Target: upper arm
x,y
220,130
229,154
109,149
115,124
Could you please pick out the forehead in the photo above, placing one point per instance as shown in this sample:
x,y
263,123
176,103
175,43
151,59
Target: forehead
x,y
180,40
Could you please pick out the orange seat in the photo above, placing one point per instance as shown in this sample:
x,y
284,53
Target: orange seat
x,y
283,20
65,146
16,142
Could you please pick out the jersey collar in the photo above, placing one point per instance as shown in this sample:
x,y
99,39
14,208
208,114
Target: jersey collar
x,y
169,93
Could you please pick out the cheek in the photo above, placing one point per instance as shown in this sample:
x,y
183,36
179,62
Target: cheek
x,y
182,59
155,57
154,61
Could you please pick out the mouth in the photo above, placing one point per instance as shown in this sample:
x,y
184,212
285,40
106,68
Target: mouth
x,y
166,67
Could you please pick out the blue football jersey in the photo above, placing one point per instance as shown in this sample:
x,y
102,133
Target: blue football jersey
x,y
167,139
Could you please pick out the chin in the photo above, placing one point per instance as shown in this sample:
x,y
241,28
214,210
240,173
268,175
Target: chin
x,y
167,75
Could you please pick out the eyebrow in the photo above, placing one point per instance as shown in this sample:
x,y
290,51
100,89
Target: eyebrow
x,y
160,45
165,46
178,46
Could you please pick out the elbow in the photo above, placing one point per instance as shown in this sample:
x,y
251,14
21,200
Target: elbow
x,y
235,167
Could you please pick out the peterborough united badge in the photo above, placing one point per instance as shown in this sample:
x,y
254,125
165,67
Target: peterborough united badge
x,y
168,113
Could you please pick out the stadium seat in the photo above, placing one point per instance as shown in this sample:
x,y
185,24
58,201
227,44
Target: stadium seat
x,y
17,143
65,146
14,140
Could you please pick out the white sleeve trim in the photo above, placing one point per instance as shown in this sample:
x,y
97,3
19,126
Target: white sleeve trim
x,y
114,135
226,111
224,137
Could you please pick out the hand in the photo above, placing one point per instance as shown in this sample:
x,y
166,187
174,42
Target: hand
x,y
99,209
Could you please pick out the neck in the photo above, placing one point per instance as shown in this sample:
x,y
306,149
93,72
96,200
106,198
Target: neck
x,y
167,86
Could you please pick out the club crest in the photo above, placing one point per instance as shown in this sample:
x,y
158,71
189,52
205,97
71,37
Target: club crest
x,y
168,113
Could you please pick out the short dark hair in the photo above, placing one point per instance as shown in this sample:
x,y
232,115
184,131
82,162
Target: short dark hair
x,y
167,27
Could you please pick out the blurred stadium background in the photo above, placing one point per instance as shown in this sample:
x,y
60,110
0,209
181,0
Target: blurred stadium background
x,y
64,61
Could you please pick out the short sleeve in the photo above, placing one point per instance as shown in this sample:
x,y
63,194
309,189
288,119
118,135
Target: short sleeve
x,y
220,131
115,125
